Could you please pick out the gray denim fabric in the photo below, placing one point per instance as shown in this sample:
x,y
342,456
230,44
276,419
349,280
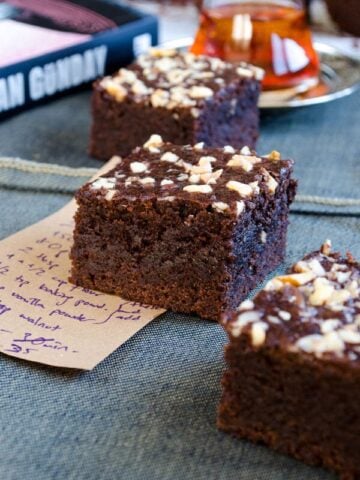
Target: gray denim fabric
x,y
148,411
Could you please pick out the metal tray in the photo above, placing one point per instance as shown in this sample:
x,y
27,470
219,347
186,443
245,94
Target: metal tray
x,y
339,77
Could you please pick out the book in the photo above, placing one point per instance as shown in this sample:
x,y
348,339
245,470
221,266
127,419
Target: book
x,y
51,47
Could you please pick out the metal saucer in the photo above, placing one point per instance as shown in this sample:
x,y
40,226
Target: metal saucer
x,y
339,77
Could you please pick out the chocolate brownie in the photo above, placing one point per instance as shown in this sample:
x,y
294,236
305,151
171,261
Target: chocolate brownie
x,y
184,98
293,364
191,229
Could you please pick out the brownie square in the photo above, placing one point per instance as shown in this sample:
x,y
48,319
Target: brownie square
x,y
190,229
184,98
293,364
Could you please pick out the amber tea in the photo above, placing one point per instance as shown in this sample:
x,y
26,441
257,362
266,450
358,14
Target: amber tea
x,y
273,36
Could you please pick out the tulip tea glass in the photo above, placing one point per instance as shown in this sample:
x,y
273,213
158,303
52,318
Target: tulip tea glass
x,y
271,34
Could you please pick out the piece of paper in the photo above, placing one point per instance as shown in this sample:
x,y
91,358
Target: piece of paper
x,y
46,319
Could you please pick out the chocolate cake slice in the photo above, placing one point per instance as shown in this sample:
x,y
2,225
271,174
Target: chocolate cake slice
x,y
191,229
184,98
293,364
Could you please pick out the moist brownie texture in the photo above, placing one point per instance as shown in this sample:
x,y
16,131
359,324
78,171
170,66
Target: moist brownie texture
x,y
187,228
293,364
183,97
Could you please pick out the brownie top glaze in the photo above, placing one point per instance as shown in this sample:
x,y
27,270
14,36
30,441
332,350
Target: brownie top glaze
x,y
171,79
314,309
220,179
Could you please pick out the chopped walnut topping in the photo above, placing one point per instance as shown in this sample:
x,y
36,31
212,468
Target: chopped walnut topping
x,y
127,76
204,166
166,64
295,279
353,288
240,207
301,267
246,305
138,167
342,277
312,265
162,52
201,169
166,182
241,161
243,319
273,319
274,284
255,187
228,149
316,267
206,160
318,344
211,177
258,72
220,206
200,92
194,178
177,75
322,291
338,297
114,89
139,88
169,157
159,98
326,247
109,195
182,177
199,146
322,315
245,151
242,189
203,75
349,336
270,181
168,198
250,71
272,184
154,141
274,156
130,180
102,182
245,72
176,80
258,333
286,316
147,181
329,325
198,189
195,112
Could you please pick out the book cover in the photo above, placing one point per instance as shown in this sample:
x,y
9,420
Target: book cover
x,y
49,47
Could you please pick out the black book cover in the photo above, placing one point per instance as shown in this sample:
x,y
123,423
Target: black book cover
x,y
48,47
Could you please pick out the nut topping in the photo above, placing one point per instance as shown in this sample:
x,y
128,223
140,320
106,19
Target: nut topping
x,y
309,310
240,207
198,189
242,189
220,206
241,161
138,167
169,157
154,141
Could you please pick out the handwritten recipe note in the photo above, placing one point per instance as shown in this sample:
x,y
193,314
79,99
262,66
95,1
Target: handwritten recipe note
x,y
46,319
